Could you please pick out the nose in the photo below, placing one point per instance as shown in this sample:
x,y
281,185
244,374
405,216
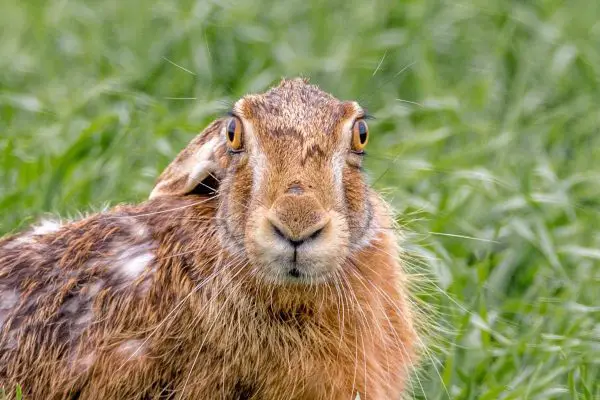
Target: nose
x,y
298,218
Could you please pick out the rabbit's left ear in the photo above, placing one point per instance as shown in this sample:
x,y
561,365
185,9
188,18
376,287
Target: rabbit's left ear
x,y
197,168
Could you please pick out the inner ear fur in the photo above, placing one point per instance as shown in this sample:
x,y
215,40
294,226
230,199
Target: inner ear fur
x,y
196,169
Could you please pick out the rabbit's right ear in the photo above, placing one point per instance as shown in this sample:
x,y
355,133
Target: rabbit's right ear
x,y
197,168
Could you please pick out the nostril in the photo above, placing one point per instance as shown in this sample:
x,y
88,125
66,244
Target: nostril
x,y
316,233
283,236
279,233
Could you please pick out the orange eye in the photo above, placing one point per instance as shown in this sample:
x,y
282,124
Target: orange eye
x,y
360,135
234,134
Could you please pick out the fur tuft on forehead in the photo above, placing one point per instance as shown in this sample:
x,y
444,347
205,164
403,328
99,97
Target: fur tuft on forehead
x,y
293,93
295,107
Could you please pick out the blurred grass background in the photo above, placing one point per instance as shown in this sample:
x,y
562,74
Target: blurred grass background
x,y
486,140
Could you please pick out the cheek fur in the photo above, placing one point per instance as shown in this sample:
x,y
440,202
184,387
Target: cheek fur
x,y
358,207
234,192
258,165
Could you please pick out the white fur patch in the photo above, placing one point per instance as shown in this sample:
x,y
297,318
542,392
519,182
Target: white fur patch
x,y
140,231
87,361
81,321
12,341
134,267
338,162
79,308
85,318
133,260
132,348
94,288
259,168
45,227
23,239
72,305
8,298
80,363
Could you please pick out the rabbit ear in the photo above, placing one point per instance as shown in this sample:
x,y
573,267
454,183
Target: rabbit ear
x,y
197,168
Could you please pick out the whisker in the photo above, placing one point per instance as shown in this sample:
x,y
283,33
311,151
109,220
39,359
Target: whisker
x,y
410,102
380,62
161,211
210,328
464,237
177,307
401,314
404,69
178,66
215,190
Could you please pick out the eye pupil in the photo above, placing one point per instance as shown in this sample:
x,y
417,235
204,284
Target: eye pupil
x,y
231,130
362,132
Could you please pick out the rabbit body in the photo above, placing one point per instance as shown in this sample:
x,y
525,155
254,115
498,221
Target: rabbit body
x,y
176,298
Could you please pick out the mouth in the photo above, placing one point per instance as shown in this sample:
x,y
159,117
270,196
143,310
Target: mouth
x,y
300,266
300,263
284,269
294,274
280,256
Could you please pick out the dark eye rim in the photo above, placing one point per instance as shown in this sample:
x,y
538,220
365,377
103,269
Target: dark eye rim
x,y
360,153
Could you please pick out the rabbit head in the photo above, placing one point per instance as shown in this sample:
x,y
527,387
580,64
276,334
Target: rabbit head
x,y
286,168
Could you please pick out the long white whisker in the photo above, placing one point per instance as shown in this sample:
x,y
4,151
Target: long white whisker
x,y
463,237
401,314
410,102
178,66
404,69
380,62
178,306
161,211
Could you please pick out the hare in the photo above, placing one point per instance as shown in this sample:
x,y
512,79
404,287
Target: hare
x,y
263,266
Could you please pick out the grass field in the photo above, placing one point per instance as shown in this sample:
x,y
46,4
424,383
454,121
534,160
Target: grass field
x,y
486,140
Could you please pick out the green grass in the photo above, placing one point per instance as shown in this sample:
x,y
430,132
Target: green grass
x,y
502,149
18,394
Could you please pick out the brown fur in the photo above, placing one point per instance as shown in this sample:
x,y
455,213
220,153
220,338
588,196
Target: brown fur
x,y
178,298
